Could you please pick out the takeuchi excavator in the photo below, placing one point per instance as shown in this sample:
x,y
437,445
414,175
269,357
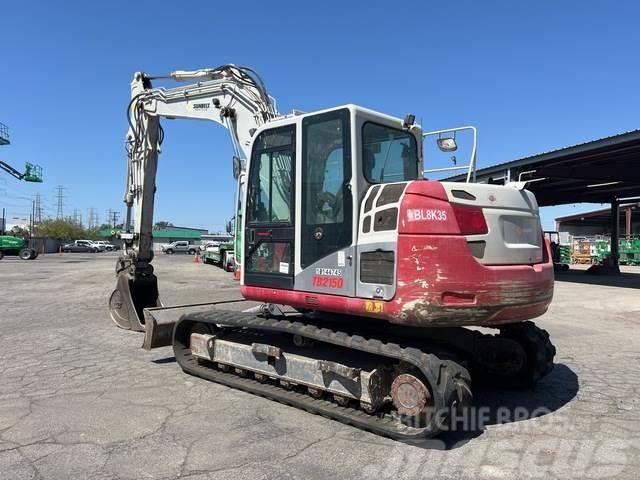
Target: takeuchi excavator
x,y
365,275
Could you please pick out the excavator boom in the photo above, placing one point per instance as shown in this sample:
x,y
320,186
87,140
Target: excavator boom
x,y
231,96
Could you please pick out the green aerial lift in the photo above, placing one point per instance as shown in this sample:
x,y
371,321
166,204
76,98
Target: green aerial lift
x,y
10,245
32,173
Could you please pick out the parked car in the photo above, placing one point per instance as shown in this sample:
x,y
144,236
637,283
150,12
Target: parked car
x,y
95,244
81,246
109,247
181,246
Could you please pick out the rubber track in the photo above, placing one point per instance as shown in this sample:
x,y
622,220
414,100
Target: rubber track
x,y
536,342
450,382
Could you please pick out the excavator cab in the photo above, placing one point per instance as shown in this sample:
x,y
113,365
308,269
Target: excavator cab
x,y
338,219
307,178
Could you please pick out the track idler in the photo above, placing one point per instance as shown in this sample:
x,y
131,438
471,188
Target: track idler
x,y
136,289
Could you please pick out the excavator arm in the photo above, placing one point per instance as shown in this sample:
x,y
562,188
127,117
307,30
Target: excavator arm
x,y
232,96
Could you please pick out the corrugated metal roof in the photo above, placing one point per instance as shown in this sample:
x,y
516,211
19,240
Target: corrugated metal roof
x,y
598,212
617,138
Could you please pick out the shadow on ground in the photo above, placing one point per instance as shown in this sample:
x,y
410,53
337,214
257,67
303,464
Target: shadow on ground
x,y
161,361
497,406
624,279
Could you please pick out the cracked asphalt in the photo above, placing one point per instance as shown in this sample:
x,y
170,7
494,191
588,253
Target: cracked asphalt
x,y
79,399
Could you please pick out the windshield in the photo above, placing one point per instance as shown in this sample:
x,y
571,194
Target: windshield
x,y
388,154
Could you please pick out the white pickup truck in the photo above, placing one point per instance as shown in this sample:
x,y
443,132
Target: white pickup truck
x,y
181,246
109,247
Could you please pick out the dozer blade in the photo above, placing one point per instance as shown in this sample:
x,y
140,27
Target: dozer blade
x,y
133,293
159,322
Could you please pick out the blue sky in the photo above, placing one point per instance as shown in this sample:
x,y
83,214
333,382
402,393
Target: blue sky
x,y
532,76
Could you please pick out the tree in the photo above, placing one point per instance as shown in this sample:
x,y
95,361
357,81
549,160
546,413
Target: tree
x,y
162,225
59,229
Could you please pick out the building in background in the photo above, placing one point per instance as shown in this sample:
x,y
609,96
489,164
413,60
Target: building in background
x,y
167,235
598,222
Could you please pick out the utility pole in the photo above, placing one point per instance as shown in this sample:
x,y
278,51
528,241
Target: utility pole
x,y
60,201
112,218
77,216
38,211
93,218
32,220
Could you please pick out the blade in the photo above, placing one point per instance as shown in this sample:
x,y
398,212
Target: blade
x,y
158,333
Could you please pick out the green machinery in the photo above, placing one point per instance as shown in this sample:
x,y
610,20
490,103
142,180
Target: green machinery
x,y
629,251
32,173
565,253
10,245
228,254
221,254
628,248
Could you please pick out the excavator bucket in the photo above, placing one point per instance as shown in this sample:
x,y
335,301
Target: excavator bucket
x,y
134,292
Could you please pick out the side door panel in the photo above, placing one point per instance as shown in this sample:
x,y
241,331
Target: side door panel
x,y
326,228
269,233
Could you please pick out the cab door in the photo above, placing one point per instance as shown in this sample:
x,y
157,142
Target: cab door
x,y
326,217
269,226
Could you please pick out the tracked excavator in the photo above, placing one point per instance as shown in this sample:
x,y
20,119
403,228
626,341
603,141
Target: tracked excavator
x,y
366,276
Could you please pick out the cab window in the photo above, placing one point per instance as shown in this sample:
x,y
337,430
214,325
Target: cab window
x,y
326,196
271,175
388,154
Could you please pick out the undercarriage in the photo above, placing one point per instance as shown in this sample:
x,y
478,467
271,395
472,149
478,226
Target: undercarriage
x,y
403,383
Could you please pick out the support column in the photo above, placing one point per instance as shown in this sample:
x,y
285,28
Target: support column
x,y
627,222
615,234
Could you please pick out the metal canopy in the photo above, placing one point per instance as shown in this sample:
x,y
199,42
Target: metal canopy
x,y
600,218
599,171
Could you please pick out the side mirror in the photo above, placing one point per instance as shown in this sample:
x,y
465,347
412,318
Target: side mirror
x,y
447,144
230,229
238,167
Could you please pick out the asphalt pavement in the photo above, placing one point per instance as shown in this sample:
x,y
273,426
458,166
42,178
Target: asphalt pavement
x,y
79,398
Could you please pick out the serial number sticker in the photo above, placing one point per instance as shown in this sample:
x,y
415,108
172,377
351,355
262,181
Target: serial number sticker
x,y
430,214
327,281
373,307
